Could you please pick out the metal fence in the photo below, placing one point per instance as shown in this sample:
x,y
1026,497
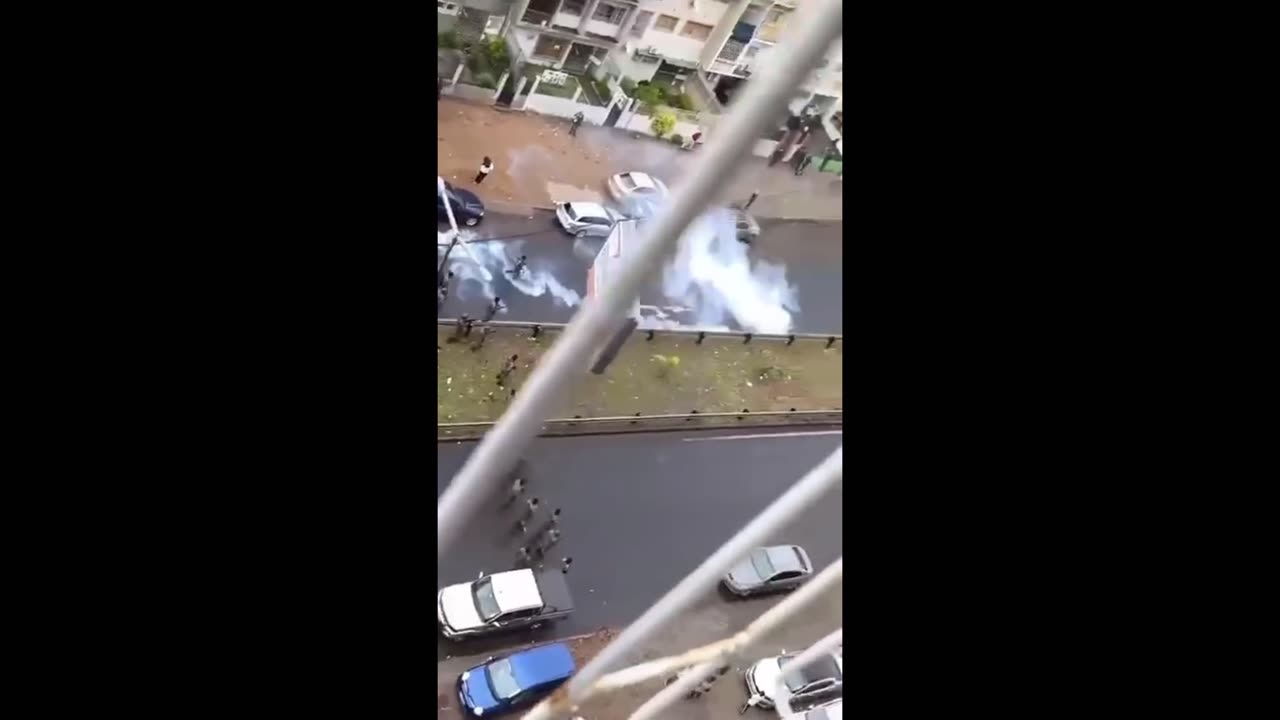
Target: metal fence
x,y
817,26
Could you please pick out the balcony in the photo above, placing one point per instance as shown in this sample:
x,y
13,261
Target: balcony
x,y
533,17
771,32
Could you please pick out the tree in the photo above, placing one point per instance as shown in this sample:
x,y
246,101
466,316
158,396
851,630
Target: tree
x,y
662,123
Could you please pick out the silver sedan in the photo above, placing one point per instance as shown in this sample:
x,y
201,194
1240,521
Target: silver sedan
x,y
770,569
587,219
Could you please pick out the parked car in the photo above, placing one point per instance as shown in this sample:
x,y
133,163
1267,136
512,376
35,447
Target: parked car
x,y
637,192
822,679
503,601
467,208
770,569
745,225
828,711
500,686
587,219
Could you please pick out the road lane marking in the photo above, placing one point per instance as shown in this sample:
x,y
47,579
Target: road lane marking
x,y
765,435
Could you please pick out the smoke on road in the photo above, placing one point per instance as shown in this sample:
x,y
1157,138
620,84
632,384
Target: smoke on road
x,y
499,260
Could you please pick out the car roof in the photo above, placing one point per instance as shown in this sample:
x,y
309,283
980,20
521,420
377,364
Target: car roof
x,y
516,590
588,209
785,557
827,666
640,179
542,664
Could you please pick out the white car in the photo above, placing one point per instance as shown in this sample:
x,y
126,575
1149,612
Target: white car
x,y
587,219
830,711
822,679
638,193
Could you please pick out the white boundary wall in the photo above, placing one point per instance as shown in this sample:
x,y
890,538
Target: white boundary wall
x,y
565,108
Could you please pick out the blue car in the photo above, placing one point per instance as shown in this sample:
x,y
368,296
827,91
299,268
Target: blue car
x,y
516,680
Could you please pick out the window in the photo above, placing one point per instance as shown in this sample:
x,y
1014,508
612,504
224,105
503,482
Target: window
x,y
666,23
641,24
772,17
572,7
694,30
611,14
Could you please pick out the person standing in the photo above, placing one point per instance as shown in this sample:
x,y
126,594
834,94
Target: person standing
x,y
486,167
484,335
564,565
577,120
493,309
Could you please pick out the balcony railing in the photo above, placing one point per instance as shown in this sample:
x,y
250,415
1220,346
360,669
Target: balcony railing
x,y
533,17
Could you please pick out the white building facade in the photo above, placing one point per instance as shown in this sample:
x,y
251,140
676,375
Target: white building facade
x,y
718,42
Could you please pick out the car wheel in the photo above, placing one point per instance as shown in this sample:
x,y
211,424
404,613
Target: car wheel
x,y
581,235
471,221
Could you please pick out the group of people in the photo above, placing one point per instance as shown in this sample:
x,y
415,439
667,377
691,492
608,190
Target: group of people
x,y
542,538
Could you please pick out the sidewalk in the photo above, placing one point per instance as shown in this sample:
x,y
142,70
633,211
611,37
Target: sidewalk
x,y
537,163
714,619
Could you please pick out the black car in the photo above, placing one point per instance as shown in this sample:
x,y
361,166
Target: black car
x,y
467,208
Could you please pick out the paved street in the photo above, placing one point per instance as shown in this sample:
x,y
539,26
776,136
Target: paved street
x,y
639,512
556,277
536,163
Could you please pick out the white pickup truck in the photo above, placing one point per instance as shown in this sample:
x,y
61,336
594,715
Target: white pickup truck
x,y
503,601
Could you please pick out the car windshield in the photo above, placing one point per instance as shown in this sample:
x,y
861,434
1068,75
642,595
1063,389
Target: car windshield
x,y
760,561
816,671
503,680
568,210
486,603
626,181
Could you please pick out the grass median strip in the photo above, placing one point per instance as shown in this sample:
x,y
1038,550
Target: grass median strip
x,y
669,374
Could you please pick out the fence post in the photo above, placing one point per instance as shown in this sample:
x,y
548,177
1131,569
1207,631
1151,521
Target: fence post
x,y
456,74
577,93
501,84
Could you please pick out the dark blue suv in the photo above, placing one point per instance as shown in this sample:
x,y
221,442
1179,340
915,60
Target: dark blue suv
x,y
467,208
514,681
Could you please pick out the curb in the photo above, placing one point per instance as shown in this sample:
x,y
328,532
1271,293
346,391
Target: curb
x,y
670,423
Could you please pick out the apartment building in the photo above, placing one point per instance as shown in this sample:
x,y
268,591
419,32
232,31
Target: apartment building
x,y
720,42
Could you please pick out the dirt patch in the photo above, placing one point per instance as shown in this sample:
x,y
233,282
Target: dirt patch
x,y
669,374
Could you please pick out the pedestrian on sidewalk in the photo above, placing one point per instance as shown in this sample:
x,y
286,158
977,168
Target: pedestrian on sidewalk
x,y
484,335
470,323
564,565
493,308
507,368
577,120
523,554
459,327
519,268
486,167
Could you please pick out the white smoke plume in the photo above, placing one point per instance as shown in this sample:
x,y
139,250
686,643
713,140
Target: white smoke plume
x,y
499,259
712,274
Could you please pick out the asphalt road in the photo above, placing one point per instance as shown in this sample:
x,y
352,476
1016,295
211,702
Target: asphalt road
x,y
639,512
555,279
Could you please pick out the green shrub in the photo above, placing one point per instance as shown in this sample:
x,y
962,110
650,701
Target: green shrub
x,y
497,53
662,123
648,94
677,139
602,88
682,101
628,86
485,80
449,39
